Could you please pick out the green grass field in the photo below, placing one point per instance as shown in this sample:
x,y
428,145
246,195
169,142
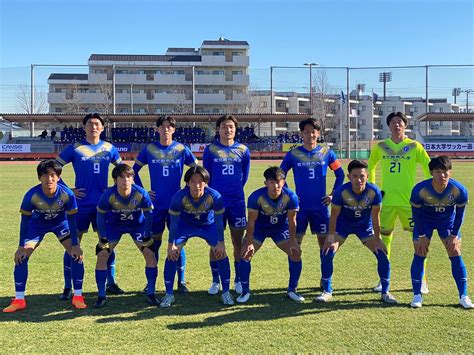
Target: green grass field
x,y
355,321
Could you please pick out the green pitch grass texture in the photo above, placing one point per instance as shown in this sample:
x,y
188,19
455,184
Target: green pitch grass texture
x,y
355,321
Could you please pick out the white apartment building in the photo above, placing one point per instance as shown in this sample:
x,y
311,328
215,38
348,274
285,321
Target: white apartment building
x,y
217,71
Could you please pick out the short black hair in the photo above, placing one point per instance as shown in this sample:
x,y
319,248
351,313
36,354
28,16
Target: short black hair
x,y
311,121
441,162
274,173
357,164
197,169
164,118
47,164
397,114
92,115
121,169
227,118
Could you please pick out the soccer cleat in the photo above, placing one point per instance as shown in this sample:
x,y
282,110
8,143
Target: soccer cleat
x,y
182,288
227,299
292,295
424,288
214,289
15,305
417,301
152,300
378,288
101,302
66,295
324,297
388,298
466,302
167,301
78,302
114,289
238,288
244,297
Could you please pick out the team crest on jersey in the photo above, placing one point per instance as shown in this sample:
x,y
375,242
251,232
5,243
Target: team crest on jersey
x,y
450,197
206,205
134,202
406,149
367,199
59,202
280,205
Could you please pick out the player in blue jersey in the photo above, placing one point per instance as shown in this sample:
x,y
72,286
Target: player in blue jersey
x,y
47,207
228,163
355,210
272,213
196,211
310,163
439,203
90,159
125,208
166,160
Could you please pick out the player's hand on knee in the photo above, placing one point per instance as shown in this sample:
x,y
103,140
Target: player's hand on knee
x,y
295,249
152,195
453,245
329,244
219,250
380,246
173,252
79,193
76,253
326,200
421,245
20,255
247,251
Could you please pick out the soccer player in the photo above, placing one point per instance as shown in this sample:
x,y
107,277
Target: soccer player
x,y
228,163
166,160
439,203
272,213
310,163
398,156
355,210
90,159
125,208
47,207
196,211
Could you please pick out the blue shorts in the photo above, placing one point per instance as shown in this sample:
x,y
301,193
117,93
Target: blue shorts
x,y
37,231
160,219
363,233
207,232
137,232
442,232
318,221
235,215
85,216
277,236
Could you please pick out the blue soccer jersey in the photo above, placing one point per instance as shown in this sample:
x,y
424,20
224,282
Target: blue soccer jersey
x,y
309,172
272,214
355,209
229,168
91,167
166,164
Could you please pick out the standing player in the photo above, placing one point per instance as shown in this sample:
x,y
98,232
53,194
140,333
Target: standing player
x,y
356,210
228,163
47,207
166,160
310,163
272,213
439,203
124,208
196,211
90,159
398,156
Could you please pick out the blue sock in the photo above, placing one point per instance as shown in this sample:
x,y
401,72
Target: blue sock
x,y
321,260
383,269
67,270
156,249
151,274
77,272
101,279
20,274
245,269
295,268
111,268
215,270
460,274
417,267
181,266
170,271
224,273
327,268
237,271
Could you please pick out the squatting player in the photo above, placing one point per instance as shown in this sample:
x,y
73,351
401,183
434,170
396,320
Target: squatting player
x,y
272,213
125,208
197,211
90,159
47,207
355,210
439,203
166,160
228,163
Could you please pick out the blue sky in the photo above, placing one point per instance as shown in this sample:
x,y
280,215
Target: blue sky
x,y
280,33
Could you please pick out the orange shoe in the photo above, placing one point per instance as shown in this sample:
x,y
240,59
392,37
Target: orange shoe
x,y
16,305
79,302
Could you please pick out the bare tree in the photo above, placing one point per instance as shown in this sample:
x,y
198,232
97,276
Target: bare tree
x,y
73,103
23,96
324,103
106,94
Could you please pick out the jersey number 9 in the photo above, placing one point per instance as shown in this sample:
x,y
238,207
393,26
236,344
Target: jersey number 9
x,y
96,168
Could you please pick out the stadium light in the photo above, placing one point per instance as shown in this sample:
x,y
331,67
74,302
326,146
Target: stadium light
x,y
384,78
311,65
467,91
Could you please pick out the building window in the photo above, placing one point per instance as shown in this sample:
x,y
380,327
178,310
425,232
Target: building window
x,y
237,72
58,90
178,72
220,53
263,104
237,54
121,71
57,109
217,72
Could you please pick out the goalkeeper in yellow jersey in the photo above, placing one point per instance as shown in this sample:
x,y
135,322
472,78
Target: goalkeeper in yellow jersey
x,y
398,157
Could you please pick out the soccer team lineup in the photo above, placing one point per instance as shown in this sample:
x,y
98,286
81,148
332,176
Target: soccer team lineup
x,y
212,200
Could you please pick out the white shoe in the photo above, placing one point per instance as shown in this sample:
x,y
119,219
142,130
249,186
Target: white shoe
x,y
417,301
243,298
388,298
378,288
238,288
324,297
227,299
214,289
466,302
292,295
424,288
167,301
